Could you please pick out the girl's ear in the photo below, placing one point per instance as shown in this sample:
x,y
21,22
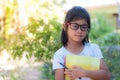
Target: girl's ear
x,y
65,26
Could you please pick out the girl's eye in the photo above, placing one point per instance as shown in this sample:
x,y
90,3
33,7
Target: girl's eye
x,y
84,26
75,26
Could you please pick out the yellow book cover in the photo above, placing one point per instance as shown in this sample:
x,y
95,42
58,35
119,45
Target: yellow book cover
x,y
85,62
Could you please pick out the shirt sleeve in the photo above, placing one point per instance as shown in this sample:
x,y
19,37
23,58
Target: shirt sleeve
x,y
97,51
57,59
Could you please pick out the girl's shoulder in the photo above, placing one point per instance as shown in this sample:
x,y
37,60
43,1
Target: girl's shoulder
x,y
92,45
60,51
93,50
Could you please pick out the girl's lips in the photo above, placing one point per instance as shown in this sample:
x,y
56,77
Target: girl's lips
x,y
79,35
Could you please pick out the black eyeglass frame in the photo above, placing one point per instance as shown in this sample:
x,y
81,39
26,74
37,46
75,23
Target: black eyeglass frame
x,y
83,27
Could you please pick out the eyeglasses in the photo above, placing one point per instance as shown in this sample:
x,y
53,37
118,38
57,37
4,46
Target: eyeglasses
x,y
76,26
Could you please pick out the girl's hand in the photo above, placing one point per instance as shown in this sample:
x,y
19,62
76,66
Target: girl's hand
x,y
75,72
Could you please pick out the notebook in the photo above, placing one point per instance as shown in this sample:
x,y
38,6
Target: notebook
x,y
85,62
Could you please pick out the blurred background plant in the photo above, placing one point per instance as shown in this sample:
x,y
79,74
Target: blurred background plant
x,y
31,29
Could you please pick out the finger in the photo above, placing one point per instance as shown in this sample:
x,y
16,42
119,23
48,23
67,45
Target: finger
x,y
67,72
66,69
71,75
75,67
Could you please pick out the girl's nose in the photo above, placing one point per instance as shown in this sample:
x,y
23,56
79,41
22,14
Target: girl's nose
x,y
79,30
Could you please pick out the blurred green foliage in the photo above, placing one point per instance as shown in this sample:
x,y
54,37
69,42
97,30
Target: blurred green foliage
x,y
103,33
111,52
48,73
101,26
41,37
44,43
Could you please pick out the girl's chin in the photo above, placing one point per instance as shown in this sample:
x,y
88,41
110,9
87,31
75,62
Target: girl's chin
x,y
78,40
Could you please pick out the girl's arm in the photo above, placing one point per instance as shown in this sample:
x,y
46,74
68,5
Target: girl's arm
x,y
59,74
102,74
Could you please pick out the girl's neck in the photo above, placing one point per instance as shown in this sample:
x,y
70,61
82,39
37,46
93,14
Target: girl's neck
x,y
75,48
74,45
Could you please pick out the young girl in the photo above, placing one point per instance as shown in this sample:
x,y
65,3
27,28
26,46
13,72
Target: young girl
x,y
75,40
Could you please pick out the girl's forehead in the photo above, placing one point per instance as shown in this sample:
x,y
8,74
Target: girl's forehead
x,y
81,21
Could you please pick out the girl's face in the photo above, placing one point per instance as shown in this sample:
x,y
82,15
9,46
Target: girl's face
x,y
77,30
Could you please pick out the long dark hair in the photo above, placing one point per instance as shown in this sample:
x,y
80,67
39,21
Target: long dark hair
x,y
73,14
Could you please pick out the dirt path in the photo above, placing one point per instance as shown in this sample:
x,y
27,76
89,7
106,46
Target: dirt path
x,y
23,69
27,72
32,73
